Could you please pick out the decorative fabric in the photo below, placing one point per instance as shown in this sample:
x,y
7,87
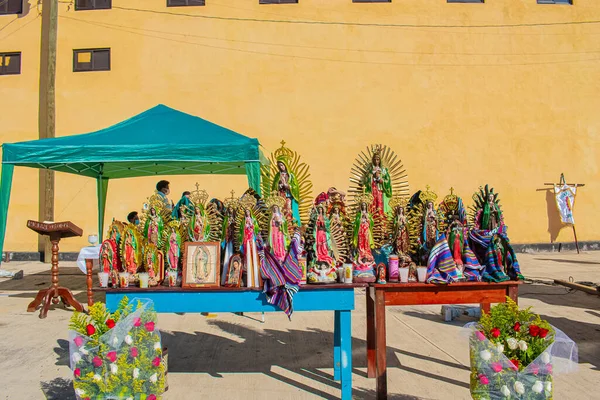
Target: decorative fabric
x,y
281,280
565,201
441,267
495,254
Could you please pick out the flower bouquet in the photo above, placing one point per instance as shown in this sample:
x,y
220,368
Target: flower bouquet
x,y
515,354
119,355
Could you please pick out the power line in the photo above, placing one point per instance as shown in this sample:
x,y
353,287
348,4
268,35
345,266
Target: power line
x,y
19,28
330,59
329,48
365,24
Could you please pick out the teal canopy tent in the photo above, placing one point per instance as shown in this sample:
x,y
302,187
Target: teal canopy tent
x,y
159,141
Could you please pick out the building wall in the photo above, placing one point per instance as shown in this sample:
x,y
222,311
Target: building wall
x,y
512,106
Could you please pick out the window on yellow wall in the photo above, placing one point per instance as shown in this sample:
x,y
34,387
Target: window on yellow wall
x,y
10,63
555,1
465,1
277,1
184,3
371,1
91,60
11,7
81,5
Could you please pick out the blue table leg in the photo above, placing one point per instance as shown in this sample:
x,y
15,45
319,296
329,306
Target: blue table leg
x,y
337,350
346,353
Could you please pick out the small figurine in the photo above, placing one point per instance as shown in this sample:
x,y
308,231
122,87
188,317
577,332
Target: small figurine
x,y
172,246
154,265
205,220
153,228
110,261
131,251
362,241
423,224
381,273
278,237
249,234
228,234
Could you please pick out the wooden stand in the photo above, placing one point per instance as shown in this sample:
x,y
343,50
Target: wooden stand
x,y
56,231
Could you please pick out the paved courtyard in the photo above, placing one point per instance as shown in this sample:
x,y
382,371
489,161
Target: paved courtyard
x,y
237,357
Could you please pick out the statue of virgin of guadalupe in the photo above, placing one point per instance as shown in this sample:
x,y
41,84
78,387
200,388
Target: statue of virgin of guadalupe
x,y
323,244
278,230
490,215
173,246
200,226
248,236
285,184
430,229
378,183
362,240
153,229
401,241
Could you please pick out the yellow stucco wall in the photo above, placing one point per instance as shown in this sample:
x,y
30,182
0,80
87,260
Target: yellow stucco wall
x,y
510,106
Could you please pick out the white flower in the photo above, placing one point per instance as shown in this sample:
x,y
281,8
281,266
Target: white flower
x,y
97,378
519,388
76,357
522,345
538,387
79,392
129,398
84,351
128,340
153,378
545,357
156,345
505,391
113,368
115,341
512,343
500,348
136,373
548,386
485,355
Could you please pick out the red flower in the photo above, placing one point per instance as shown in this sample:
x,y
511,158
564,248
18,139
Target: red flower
x,y
78,341
90,329
151,397
77,372
134,352
483,379
110,323
97,361
517,326
156,362
549,369
495,332
497,367
87,398
480,335
149,326
112,356
543,332
535,369
137,321
534,330
515,364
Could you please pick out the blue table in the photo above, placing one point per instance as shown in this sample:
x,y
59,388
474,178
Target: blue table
x,y
338,298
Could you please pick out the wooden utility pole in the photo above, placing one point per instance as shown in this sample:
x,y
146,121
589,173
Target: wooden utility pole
x,y
47,114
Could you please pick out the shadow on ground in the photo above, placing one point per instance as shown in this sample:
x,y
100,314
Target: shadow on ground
x,y
58,389
568,261
70,277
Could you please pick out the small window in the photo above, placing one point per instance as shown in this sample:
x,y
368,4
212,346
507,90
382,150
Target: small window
x,y
11,7
91,60
92,5
277,1
10,63
555,1
371,1
465,1
183,3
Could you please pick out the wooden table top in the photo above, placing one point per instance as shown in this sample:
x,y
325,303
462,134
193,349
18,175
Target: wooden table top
x,y
416,285
224,289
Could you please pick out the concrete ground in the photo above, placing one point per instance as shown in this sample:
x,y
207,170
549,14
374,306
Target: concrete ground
x,y
235,357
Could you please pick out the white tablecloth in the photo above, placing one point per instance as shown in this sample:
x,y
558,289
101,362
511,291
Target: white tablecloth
x,y
91,252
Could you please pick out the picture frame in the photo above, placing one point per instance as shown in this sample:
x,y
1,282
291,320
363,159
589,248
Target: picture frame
x,y
234,273
201,265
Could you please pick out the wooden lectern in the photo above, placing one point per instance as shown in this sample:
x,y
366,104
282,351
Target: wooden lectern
x,y
56,231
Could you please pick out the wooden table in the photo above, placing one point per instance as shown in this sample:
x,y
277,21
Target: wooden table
x,y
338,298
404,294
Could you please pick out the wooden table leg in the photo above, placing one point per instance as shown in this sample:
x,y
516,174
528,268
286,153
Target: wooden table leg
x,y
68,299
513,293
37,301
89,265
47,300
346,353
337,350
485,308
381,345
371,369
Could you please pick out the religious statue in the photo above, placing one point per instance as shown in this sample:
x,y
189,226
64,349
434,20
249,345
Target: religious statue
x,y
249,234
234,273
489,240
183,207
423,224
399,235
205,221
339,222
172,246
131,251
278,233
115,231
362,241
153,228
321,262
289,178
228,231
153,264
200,229
381,274
109,260
380,173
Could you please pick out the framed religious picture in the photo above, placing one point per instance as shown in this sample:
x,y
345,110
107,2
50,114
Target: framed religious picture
x,y
234,274
201,264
